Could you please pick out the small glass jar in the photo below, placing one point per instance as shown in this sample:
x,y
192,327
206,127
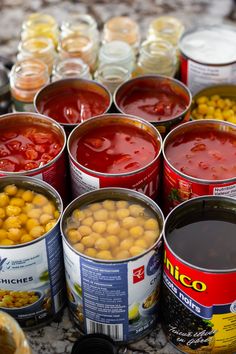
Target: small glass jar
x,y
78,46
82,24
40,48
167,28
12,338
40,25
117,53
27,77
70,67
156,57
112,75
122,28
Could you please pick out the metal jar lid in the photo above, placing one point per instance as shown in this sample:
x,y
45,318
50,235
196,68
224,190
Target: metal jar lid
x,y
94,343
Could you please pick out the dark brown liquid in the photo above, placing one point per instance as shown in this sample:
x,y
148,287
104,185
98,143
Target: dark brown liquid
x,y
206,240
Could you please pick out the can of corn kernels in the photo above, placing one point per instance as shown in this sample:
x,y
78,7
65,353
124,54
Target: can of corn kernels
x,y
33,145
115,150
208,56
31,266
112,241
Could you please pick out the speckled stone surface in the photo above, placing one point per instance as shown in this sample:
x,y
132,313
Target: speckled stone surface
x,y
59,337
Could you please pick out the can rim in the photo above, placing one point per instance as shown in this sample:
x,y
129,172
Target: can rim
x,y
156,76
181,206
117,116
125,191
51,162
207,27
55,83
182,174
32,181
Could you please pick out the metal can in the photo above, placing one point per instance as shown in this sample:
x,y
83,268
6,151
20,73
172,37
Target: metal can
x,y
53,171
207,56
33,270
180,185
145,179
161,100
72,101
118,297
199,306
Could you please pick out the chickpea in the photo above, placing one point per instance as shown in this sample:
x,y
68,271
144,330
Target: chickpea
x,y
90,252
151,224
128,222
34,213
102,244
26,238
17,202
113,228
113,240
6,242
79,247
122,213
14,234
109,205
37,231
12,210
40,200
112,215
99,227
141,243
88,241
12,221
95,206
45,218
136,250
74,236
10,190
3,234
123,254
106,255
136,210
101,215
150,237
49,208
126,244
4,200
136,231
50,225
27,196
30,223
2,213
56,214
85,230
123,233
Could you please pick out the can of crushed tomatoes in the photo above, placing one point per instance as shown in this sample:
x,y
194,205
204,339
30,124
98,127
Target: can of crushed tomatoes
x,y
112,242
199,296
33,145
208,56
199,159
115,150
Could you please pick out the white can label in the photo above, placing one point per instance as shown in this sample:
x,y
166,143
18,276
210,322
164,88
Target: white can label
x,y
200,76
229,191
117,299
82,182
31,282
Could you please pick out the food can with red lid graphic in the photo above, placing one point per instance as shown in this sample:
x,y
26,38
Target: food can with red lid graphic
x,y
208,56
199,293
112,241
33,145
115,150
199,159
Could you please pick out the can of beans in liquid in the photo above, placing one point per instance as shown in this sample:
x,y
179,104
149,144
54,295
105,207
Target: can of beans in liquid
x,y
115,150
31,259
199,159
112,240
33,145
199,293
208,56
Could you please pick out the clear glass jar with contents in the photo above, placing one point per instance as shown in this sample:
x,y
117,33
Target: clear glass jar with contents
x,y
122,28
156,57
166,27
40,25
27,77
82,24
12,338
40,48
117,53
112,75
70,67
78,46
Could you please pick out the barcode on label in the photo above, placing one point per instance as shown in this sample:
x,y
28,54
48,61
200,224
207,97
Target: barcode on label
x,y
115,331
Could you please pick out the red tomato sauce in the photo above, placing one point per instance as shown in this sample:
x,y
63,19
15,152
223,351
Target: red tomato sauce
x,y
153,104
115,149
204,154
74,106
27,147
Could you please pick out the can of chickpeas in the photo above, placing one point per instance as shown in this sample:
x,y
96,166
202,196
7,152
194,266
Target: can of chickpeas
x,y
112,240
31,260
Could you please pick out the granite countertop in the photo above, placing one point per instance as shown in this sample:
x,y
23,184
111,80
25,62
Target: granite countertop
x,y
58,337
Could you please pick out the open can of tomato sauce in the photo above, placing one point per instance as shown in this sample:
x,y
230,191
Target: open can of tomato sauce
x,y
199,293
112,240
31,259
208,56
33,145
160,100
199,159
115,150
72,101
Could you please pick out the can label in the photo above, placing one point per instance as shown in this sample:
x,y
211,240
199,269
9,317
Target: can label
x,y
31,277
178,189
145,181
198,76
199,308
117,299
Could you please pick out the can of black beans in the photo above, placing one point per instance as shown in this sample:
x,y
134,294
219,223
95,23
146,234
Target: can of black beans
x,y
199,296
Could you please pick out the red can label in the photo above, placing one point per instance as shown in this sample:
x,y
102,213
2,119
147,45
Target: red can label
x,y
199,308
145,181
178,189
